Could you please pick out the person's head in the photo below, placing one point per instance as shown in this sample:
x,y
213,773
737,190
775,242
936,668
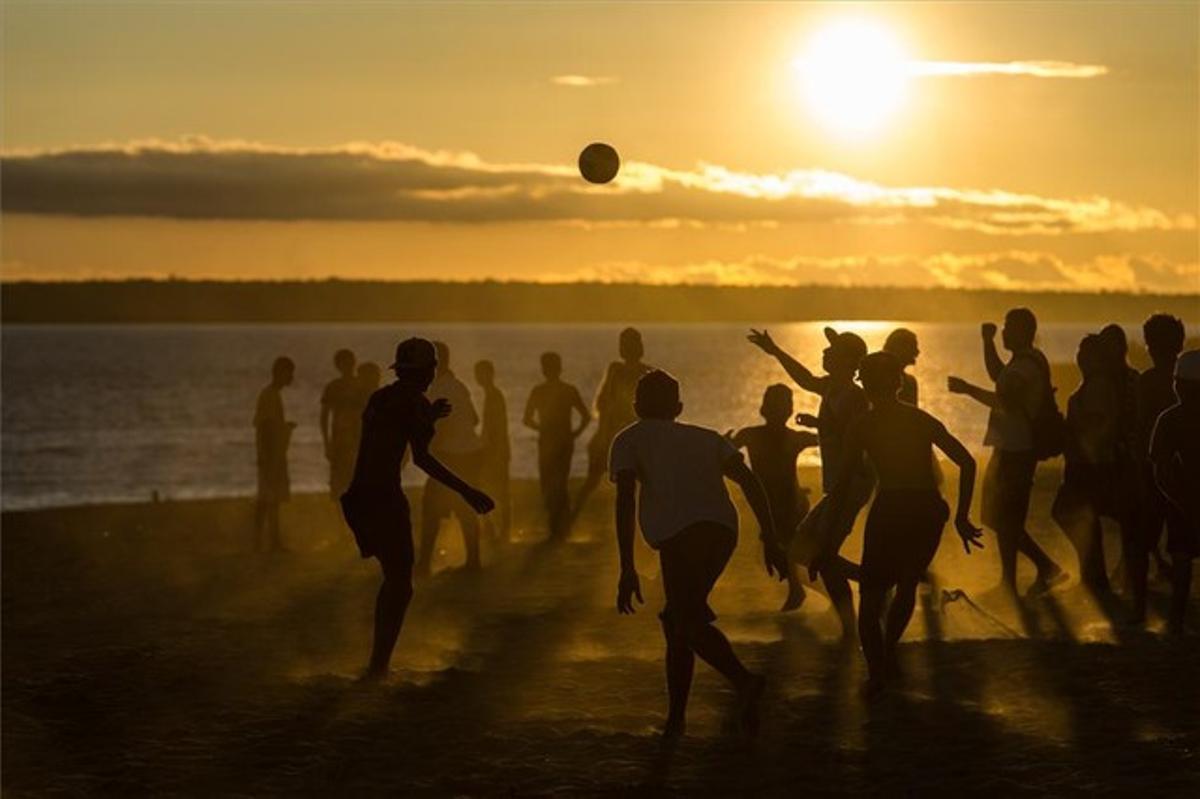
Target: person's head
x,y
1094,355
902,343
1187,378
777,404
415,363
343,361
880,374
485,373
657,396
283,370
369,375
630,345
551,365
844,353
443,356
1164,335
1116,342
1020,328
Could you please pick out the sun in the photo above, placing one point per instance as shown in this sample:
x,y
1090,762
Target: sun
x,y
853,77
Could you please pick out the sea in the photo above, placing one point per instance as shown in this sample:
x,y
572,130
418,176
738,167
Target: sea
x,y
111,413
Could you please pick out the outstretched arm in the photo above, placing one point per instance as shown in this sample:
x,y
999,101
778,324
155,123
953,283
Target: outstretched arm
x,y
957,385
426,462
955,451
773,555
626,512
796,370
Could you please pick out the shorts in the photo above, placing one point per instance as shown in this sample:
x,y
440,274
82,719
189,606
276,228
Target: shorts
x,y
381,523
1007,486
691,562
820,531
903,531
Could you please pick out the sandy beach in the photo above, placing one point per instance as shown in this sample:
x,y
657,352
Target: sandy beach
x,y
149,651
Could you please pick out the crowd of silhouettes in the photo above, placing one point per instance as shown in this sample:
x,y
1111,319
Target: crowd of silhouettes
x,y
1130,444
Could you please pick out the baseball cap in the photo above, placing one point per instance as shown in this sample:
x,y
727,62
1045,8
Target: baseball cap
x,y
848,343
1188,366
414,353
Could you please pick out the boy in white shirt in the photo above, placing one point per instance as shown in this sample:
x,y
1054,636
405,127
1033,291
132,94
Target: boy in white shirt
x,y
677,472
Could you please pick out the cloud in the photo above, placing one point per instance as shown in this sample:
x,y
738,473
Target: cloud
x,y
198,178
583,81
1014,270
1032,69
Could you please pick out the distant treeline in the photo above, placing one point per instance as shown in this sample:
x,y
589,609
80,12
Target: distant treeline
x,y
150,301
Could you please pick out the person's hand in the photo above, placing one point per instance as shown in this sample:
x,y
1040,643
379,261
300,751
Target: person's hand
x,y
628,588
956,385
988,330
775,559
762,339
969,533
807,420
480,502
441,408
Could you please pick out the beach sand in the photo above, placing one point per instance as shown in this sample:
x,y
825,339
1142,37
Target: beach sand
x,y
148,650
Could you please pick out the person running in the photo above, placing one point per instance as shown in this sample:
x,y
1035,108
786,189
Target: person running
x,y
338,422
904,525
902,343
1175,459
1164,337
495,453
272,437
548,411
398,419
457,446
1091,476
841,403
1022,386
773,448
671,477
614,410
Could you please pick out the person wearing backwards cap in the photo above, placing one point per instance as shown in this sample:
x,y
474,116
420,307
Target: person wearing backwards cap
x,y
842,401
1175,458
398,419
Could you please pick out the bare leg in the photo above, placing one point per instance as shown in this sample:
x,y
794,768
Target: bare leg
x,y
431,519
898,616
469,523
681,664
870,631
837,587
390,607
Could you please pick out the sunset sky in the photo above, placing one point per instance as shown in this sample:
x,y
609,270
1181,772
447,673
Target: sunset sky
x,y
1011,145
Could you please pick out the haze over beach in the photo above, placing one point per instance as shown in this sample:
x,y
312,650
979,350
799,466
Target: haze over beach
x,y
400,398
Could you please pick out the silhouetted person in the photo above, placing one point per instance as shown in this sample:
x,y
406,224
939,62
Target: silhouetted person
x,y
1164,337
842,401
496,453
456,445
272,436
398,419
1091,475
1175,459
1123,504
904,525
366,383
773,448
1022,386
677,472
339,422
614,409
549,411
902,343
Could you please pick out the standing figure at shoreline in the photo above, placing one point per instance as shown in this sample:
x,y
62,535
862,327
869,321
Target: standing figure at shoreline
x,y
398,419
671,477
773,448
496,453
827,528
339,421
1022,400
457,446
548,411
614,410
272,437
901,343
905,523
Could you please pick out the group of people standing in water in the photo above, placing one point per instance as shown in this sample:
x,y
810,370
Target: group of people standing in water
x,y
1131,444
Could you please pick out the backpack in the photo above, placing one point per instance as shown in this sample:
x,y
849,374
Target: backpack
x,y
1047,425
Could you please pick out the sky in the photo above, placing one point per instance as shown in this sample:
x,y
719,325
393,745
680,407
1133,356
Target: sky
x,y
1007,145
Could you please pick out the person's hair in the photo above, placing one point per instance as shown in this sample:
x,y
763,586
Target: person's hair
x,y
551,362
1115,339
776,402
369,370
881,374
900,341
344,359
1023,323
485,367
1095,354
657,396
630,345
1164,334
281,365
